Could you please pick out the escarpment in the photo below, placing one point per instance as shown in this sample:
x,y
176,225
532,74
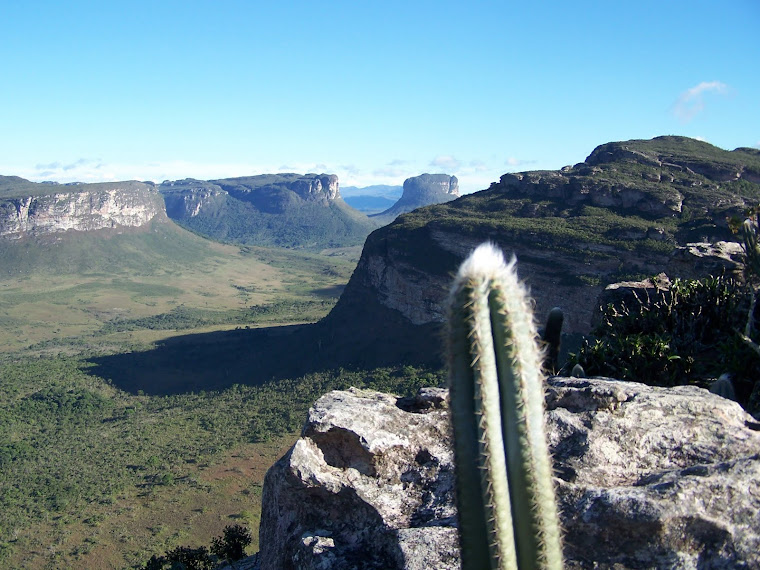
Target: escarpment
x,y
631,210
286,210
29,209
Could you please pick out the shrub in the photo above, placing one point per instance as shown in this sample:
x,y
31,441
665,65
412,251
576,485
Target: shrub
x,y
232,545
687,334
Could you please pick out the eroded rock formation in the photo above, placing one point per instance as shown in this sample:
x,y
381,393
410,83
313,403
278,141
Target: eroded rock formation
x,y
51,209
646,478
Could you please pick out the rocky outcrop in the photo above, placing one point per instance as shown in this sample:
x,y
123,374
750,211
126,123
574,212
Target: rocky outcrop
x,y
632,209
422,190
416,287
646,478
51,209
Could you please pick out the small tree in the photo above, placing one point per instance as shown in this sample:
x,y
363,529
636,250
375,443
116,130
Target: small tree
x,y
232,545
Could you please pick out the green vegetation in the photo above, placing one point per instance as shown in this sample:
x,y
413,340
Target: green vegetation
x,y
229,547
71,442
16,187
689,334
95,472
92,475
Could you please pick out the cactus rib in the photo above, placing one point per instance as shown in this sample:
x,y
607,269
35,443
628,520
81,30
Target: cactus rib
x,y
505,494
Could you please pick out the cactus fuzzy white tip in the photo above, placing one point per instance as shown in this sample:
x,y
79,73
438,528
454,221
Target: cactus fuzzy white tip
x,y
485,262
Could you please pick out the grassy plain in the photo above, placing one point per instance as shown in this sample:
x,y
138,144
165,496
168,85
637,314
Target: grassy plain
x,y
93,475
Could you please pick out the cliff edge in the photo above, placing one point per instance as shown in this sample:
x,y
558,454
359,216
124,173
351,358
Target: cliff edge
x,y
29,209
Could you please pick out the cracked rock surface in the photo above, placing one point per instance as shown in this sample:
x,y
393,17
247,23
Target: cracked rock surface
x,y
646,478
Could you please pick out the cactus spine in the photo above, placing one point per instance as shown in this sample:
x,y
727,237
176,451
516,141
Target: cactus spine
x,y
505,495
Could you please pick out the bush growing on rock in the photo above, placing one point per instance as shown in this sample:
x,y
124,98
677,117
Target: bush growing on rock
x,y
687,333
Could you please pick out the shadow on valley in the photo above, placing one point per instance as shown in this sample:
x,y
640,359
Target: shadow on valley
x,y
217,360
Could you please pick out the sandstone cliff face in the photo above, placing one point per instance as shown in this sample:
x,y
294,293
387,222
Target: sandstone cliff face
x,y
646,478
630,211
84,207
419,191
322,188
187,198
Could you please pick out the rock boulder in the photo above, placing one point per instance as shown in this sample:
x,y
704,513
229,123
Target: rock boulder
x,y
646,478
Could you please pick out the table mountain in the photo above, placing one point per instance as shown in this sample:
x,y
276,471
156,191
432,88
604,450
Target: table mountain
x,y
629,211
104,228
287,210
39,209
422,190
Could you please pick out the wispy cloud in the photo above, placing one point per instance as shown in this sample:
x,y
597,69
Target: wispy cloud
x,y
446,162
514,162
390,172
96,170
692,101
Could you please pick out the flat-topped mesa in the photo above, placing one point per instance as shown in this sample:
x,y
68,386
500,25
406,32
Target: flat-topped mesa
x,y
282,210
422,190
30,209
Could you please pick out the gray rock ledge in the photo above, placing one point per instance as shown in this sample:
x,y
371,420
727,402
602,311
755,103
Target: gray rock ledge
x,y
646,478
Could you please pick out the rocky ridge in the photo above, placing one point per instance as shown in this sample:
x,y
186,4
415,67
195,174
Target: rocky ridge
x,y
422,190
646,478
633,209
30,209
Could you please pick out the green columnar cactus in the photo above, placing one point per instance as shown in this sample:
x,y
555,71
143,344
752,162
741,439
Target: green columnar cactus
x,y
751,246
552,338
505,495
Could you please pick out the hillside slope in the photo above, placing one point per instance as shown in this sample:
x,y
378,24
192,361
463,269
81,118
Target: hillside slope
x,y
628,211
284,210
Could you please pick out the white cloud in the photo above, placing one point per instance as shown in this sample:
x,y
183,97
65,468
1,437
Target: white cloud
x,y
390,172
446,162
96,170
691,102
513,162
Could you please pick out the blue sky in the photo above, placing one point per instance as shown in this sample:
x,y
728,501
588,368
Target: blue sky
x,y
374,92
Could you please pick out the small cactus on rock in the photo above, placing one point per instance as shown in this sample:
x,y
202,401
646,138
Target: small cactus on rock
x,y
724,387
552,337
505,494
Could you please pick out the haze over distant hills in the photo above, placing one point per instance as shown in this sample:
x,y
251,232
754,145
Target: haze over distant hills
x,y
371,199
419,191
